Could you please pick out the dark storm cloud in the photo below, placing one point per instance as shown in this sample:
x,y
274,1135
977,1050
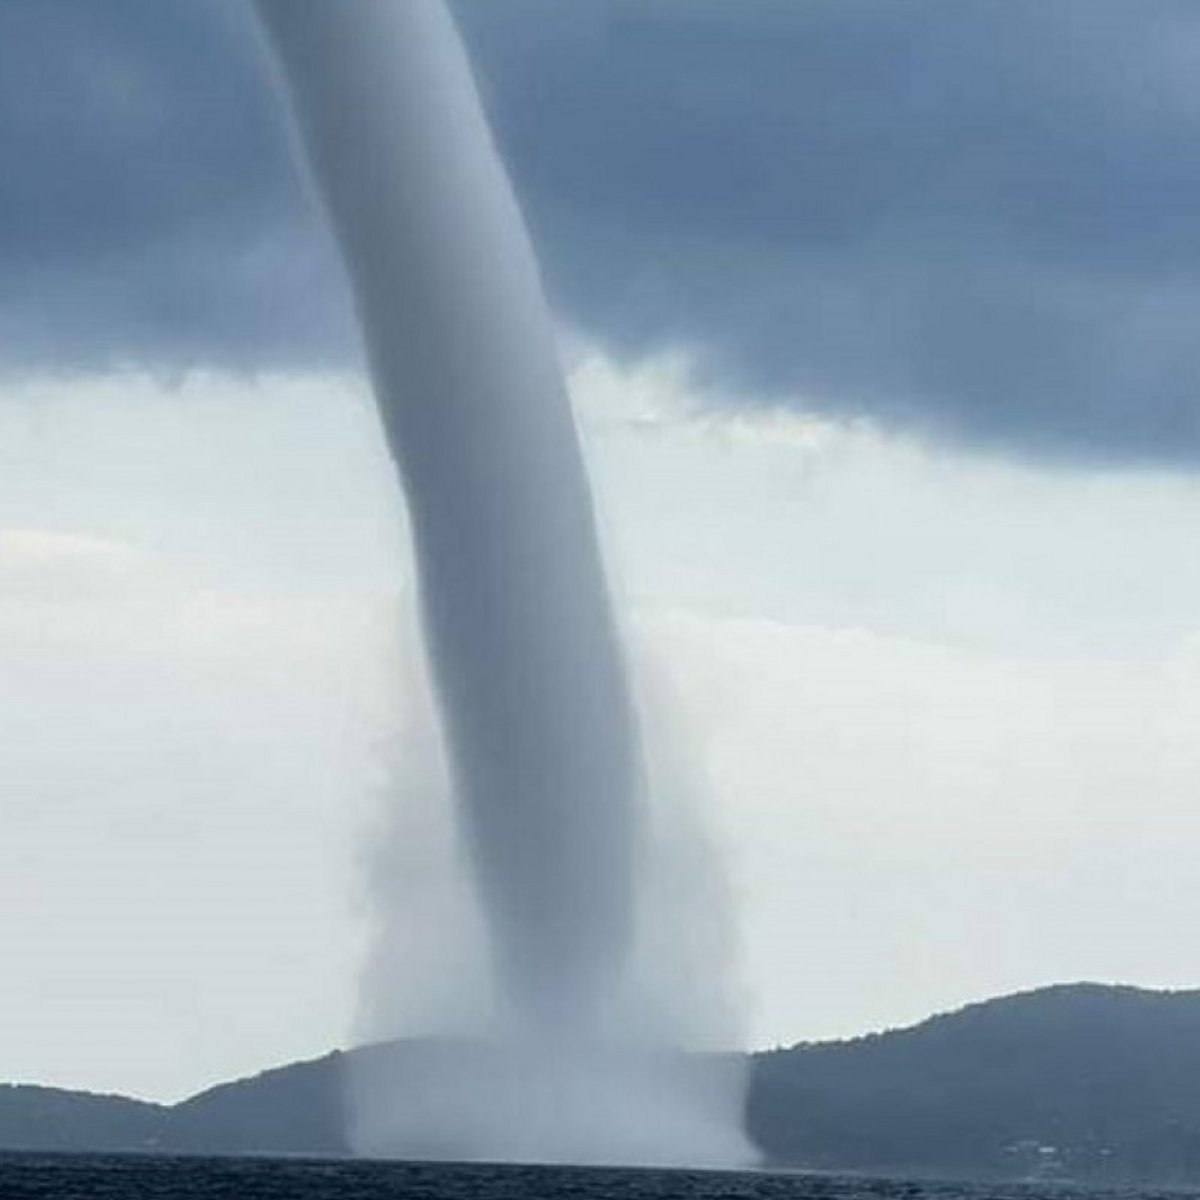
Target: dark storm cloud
x,y
149,213
976,217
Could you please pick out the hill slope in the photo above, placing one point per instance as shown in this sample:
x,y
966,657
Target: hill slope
x,y
1089,1081
292,1110
38,1118
1084,1081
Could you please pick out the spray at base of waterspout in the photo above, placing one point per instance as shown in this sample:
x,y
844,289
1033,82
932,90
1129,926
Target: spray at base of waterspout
x,y
504,1102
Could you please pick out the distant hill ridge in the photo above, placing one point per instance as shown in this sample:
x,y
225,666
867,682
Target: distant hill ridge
x,y
1080,1081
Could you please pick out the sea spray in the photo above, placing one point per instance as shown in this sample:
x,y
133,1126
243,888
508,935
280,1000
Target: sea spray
x,y
524,657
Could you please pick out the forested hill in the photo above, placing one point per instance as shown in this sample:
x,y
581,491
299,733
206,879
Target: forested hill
x,y
1082,1081
52,1119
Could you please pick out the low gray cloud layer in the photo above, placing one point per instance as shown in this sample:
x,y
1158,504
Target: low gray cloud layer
x,y
149,212
979,218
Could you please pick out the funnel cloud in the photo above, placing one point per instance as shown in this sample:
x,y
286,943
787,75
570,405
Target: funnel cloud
x,y
541,741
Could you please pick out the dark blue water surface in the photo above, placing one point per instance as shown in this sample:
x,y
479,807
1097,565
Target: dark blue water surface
x,y
153,1178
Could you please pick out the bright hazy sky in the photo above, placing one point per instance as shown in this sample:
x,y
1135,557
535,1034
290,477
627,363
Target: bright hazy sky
x,y
945,706
930,625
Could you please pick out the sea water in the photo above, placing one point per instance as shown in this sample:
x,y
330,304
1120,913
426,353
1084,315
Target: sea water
x,y
145,1177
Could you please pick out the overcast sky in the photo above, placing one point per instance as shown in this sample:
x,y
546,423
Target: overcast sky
x,y
879,319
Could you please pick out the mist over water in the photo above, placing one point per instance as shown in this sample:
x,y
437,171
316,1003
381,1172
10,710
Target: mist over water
x,y
542,754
